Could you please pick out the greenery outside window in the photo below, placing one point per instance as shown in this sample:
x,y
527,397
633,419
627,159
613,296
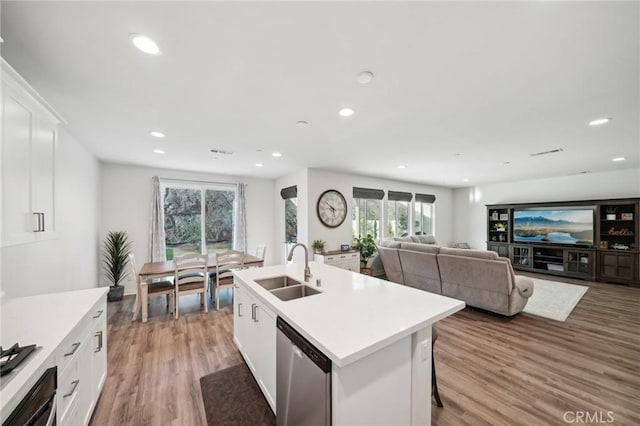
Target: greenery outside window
x,y
423,214
366,213
185,205
397,214
290,197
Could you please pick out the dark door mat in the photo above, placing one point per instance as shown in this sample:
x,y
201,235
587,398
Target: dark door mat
x,y
232,397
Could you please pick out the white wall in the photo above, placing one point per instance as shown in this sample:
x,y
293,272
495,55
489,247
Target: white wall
x,y
126,201
470,215
69,262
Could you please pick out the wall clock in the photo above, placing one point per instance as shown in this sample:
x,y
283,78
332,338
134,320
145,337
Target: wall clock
x,y
331,208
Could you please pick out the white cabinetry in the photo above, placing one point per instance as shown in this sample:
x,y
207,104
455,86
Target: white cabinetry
x,y
349,260
82,367
254,332
29,134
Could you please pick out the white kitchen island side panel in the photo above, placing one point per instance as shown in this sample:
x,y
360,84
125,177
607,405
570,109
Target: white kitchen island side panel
x,y
376,390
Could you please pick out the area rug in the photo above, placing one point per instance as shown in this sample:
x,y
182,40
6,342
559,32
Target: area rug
x,y
554,300
232,397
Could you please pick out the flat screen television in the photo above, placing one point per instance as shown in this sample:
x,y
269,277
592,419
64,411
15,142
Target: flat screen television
x,y
554,225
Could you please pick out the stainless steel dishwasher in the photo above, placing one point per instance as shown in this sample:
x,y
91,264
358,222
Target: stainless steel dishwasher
x,y
303,382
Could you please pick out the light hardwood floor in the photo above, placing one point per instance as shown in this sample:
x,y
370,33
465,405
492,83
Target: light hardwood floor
x,y
491,370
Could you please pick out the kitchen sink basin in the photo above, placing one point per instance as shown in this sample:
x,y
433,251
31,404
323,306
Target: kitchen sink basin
x,y
277,282
294,292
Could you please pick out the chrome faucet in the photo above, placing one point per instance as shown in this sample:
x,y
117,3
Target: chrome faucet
x,y
307,271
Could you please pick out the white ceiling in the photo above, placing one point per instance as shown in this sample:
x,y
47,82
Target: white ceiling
x,y
492,82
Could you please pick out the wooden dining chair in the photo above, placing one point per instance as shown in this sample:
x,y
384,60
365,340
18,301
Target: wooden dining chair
x,y
190,278
154,288
226,262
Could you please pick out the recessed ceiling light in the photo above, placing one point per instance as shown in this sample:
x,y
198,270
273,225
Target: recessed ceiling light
x,y
158,151
507,162
302,123
276,154
402,166
600,121
157,134
145,44
465,180
364,77
215,158
346,112
258,164
457,154
618,159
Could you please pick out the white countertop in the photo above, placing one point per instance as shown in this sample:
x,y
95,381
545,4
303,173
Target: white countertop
x,y
44,320
356,315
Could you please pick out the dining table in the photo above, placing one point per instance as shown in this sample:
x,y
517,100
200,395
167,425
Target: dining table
x,y
152,270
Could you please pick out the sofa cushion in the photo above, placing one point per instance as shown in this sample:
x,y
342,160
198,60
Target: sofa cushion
x,y
427,239
420,268
425,248
391,264
474,272
390,243
480,254
406,239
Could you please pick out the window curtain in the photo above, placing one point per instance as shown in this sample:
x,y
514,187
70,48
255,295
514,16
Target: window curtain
x,y
240,222
157,244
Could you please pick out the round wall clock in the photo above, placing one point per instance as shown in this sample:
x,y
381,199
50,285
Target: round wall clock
x,y
331,208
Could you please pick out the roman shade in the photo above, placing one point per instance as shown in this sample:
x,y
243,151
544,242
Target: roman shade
x,y
399,196
368,194
425,198
289,192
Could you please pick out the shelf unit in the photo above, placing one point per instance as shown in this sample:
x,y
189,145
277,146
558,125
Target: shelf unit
x,y
613,257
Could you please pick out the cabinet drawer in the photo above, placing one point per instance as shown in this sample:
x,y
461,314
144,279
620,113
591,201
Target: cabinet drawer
x,y
68,388
330,259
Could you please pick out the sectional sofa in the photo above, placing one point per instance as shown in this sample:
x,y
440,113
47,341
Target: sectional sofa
x,y
481,278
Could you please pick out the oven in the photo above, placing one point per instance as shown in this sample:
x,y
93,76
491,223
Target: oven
x,y
38,407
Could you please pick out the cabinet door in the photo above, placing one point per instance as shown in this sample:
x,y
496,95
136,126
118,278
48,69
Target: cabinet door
x,y
86,396
18,223
250,346
267,353
99,355
43,150
240,312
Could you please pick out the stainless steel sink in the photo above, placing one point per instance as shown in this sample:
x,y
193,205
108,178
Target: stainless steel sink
x,y
277,282
294,292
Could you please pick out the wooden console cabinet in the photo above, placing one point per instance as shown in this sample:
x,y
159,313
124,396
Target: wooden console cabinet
x,y
613,257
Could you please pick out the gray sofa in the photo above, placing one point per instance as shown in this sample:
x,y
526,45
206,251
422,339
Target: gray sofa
x,y
481,278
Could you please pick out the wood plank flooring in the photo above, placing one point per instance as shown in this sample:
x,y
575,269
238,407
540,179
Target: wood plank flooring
x,y
491,370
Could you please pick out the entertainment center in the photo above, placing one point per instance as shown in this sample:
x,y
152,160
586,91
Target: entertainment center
x,y
593,239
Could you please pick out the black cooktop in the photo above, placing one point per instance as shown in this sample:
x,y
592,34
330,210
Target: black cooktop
x,y
13,357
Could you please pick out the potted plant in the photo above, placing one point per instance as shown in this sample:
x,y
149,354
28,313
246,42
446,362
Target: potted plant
x,y
367,247
318,246
114,259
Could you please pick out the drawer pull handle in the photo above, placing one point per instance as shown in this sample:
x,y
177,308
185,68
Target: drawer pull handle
x,y
239,309
99,314
99,336
73,351
73,389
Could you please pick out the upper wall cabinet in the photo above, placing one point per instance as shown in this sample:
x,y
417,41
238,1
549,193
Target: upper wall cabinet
x,y
29,138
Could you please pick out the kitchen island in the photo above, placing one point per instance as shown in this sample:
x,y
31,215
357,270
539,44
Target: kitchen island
x,y
377,335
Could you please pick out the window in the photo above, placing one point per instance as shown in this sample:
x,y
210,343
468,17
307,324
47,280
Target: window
x,y
366,216
290,197
397,214
423,214
185,206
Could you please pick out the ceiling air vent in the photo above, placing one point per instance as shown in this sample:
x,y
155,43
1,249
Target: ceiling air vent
x,y
553,151
221,151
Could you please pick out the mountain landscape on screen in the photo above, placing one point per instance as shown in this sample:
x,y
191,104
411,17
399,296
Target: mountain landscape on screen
x,y
554,226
